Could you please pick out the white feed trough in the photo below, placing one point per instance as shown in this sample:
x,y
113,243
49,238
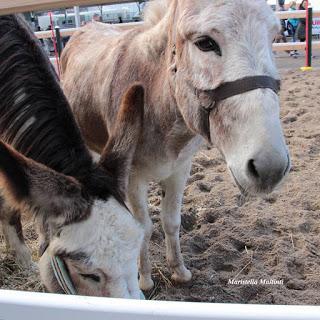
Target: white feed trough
x,y
38,306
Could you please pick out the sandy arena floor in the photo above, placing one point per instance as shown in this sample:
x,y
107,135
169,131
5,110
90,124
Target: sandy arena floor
x,y
277,238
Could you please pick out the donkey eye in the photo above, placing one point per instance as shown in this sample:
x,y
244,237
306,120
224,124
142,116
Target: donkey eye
x,y
92,277
208,44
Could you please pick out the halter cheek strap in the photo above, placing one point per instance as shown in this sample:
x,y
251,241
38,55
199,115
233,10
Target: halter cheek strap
x,y
230,89
60,271
62,275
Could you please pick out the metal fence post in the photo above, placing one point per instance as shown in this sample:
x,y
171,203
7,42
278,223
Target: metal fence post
x,y
309,18
59,42
309,51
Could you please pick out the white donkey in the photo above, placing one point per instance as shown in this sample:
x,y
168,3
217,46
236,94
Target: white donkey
x,y
209,73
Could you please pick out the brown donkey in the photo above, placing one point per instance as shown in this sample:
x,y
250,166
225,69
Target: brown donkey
x,y
209,75
89,240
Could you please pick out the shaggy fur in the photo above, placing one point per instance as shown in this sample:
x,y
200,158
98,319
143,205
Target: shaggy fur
x,y
163,53
30,92
51,174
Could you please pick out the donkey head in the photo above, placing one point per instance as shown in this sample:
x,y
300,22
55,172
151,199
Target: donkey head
x,y
214,42
84,223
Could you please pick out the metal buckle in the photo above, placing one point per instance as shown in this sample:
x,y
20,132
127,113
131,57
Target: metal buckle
x,y
211,107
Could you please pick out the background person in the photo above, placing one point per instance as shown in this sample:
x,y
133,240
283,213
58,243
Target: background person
x,y
281,35
96,18
49,43
301,29
292,26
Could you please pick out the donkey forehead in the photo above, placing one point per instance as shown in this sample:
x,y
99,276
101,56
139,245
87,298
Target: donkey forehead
x,y
225,15
109,237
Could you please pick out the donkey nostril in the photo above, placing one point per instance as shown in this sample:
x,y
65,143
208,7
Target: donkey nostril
x,y
252,169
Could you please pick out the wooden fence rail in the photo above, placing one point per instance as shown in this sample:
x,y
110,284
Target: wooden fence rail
x,y
290,46
126,26
297,14
15,6
18,6
69,32
276,46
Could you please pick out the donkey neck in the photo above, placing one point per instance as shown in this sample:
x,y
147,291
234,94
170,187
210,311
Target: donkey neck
x,y
156,47
161,103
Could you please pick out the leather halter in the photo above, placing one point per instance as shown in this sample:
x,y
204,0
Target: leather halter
x,y
62,275
230,89
225,90
60,272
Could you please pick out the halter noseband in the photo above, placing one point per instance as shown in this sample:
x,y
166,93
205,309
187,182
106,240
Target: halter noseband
x,y
62,275
60,272
230,89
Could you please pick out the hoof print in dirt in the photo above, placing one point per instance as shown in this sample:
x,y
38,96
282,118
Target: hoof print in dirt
x,y
289,119
294,169
199,244
211,216
196,177
196,169
296,285
188,221
208,163
204,187
266,225
239,245
311,205
218,179
305,227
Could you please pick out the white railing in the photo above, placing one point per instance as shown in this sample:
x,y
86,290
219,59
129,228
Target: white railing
x,y
16,305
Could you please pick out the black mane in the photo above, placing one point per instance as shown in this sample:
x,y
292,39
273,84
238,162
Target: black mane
x,y
35,116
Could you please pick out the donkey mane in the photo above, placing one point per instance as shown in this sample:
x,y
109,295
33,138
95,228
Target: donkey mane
x,y
155,12
35,116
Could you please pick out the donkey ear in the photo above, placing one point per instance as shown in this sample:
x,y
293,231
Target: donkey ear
x,y
34,188
117,156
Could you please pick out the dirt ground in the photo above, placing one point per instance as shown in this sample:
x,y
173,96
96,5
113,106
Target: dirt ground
x,y
222,238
